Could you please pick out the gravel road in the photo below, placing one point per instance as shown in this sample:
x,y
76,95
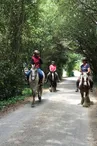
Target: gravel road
x,y
59,120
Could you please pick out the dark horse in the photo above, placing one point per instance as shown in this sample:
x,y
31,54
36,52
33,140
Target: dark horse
x,y
84,86
35,84
53,78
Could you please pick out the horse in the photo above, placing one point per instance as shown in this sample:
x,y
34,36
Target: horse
x,y
53,78
84,86
35,84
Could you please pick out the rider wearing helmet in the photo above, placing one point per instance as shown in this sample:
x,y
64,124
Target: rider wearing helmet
x,y
85,67
52,68
37,61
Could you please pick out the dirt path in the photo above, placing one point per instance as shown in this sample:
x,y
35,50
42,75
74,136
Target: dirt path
x,y
59,120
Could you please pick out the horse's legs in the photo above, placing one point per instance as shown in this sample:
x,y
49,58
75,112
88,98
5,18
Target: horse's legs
x,y
33,99
39,92
82,97
54,87
87,97
87,100
50,88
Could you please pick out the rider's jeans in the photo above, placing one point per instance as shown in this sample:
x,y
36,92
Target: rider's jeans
x,y
40,72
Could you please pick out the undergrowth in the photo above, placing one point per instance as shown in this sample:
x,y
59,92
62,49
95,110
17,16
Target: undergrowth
x,y
11,101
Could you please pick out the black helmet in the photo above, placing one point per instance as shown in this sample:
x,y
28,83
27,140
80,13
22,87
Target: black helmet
x,y
36,52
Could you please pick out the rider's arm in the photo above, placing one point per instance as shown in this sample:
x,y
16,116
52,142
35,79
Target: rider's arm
x,y
32,61
89,70
41,62
80,70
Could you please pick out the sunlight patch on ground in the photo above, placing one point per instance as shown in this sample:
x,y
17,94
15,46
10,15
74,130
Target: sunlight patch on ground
x,y
65,99
69,97
53,141
71,78
92,98
73,101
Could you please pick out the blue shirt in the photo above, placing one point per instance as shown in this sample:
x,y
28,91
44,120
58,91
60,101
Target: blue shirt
x,y
84,68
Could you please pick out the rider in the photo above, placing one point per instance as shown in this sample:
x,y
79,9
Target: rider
x,y
52,68
85,67
37,61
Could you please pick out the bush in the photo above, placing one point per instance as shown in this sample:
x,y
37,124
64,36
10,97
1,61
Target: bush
x,y
11,79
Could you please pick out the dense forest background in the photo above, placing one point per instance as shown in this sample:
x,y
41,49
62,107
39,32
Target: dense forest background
x,y
62,30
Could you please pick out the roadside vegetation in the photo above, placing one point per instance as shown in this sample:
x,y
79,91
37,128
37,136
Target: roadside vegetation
x,y
26,93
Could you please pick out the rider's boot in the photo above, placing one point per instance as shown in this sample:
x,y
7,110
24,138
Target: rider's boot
x,y
77,85
91,86
76,90
28,80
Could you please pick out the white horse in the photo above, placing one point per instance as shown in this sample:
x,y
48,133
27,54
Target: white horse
x,y
35,84
84,86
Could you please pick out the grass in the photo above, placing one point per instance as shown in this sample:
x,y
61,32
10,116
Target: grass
x,y
11,101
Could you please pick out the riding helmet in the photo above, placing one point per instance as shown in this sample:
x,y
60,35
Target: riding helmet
x,y
53,62
36,52
84,59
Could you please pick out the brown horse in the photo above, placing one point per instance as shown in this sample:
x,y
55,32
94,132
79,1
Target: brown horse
x,y
84,86
35,84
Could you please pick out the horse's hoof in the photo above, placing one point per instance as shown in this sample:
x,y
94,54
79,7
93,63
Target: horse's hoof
x,y
39,99
33,105
55,90
91,102
50,89
82,102
86,105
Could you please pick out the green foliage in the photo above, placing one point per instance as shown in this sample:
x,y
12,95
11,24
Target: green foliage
x,y
11,80
27,92
80,27
71,63
13,100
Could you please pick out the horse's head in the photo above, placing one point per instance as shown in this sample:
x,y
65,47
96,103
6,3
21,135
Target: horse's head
x,y
34,73
52,78
84,80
